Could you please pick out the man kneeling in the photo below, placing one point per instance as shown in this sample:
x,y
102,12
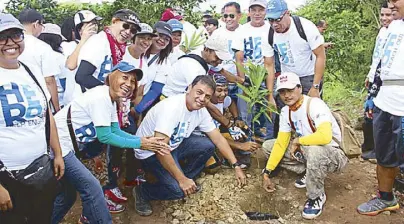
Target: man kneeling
x,y
174,119
315,149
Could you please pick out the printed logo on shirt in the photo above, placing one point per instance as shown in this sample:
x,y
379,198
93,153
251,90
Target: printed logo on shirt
x,y
105,68
21,105
285,53
86,133
178,135
391,49
253,49
378,49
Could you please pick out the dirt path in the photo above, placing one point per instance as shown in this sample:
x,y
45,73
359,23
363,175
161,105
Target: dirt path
x,y
221,202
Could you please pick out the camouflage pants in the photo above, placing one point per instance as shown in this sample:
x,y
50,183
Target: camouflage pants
x,y
320,161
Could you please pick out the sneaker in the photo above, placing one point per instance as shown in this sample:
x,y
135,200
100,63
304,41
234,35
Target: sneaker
x,y
314,207
83,220
301,182
142,206
377,205
115,195
113,207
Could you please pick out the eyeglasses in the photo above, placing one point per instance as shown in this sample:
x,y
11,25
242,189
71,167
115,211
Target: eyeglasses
x,y
232,16
271,20
132,28
16,37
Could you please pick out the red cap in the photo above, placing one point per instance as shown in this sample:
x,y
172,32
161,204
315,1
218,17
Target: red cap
x,y
170,14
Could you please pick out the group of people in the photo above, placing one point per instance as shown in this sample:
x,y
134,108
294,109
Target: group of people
x,y
68,93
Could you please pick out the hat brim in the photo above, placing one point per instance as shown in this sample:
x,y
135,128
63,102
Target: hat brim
x,y
224,55
259,4
146,33
96,18
138,72
11,26
286,86
177,30
274,15
163,31
133,23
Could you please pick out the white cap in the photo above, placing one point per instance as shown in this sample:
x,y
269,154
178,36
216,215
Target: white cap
x,y
53,29
262,3
220,45
85,16
287,80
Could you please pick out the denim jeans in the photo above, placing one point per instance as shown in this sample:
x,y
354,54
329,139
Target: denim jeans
x,y
78,178
115,160
194,151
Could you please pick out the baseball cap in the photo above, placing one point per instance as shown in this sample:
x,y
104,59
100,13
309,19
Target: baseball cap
x,y
220,80
170,14
262,3
125,67
85,16
128,16
146,29
8,21
287,80
276,8
220,45
53,29
175,25
30,16
163,28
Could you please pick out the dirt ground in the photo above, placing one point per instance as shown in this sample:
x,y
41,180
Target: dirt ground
x,y
220,201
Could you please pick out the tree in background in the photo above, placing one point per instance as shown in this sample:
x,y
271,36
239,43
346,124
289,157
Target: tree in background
x,y
352,26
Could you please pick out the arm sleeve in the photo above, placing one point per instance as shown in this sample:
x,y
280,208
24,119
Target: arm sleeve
x,y
279,149
267,49
314,38
117,130
322,136
106,136
84,75
49,62
151,96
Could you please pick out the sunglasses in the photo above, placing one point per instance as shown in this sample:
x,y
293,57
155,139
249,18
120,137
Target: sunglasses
x,y
16,37
132,28
232,16
271,20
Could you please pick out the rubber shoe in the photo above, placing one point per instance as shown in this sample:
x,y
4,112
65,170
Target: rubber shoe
x,y
301,182
377,205
113,207
142,207
83,220
115,195
314,207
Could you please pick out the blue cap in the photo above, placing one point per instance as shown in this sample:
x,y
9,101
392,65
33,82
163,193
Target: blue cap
x,y
176,25
276,8
125,67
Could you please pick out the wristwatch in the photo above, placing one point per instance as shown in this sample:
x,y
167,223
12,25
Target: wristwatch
x,y
316,86
265,171
234,165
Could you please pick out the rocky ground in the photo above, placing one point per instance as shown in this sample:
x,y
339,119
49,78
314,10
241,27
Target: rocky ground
x,y
221,201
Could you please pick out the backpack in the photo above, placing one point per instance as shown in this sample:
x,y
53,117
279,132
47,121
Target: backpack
x,y
349,141
271,34
198,59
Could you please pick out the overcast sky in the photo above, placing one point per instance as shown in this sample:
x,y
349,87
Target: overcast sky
x,y
293,4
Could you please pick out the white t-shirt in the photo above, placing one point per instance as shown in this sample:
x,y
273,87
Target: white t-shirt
x,y
157,72
22,117
73,90
93,109
40,54
98,52
222,106
184,72
61,77
140,63
391,98
377,52
173,57
249,40
319,113
181,124
230,65
296,54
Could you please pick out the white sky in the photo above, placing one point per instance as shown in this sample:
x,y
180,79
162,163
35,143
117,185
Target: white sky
x,y
293,4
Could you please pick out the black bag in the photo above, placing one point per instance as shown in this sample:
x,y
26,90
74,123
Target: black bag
x,y
40,172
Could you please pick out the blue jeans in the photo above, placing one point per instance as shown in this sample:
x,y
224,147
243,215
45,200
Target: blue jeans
x,y
194,151
78,178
